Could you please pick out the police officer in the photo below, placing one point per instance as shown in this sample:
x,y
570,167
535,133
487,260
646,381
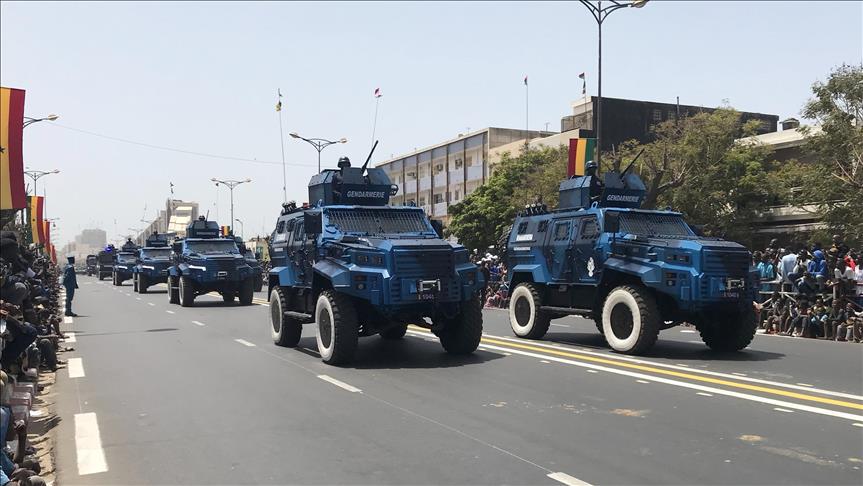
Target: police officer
x,y
70,281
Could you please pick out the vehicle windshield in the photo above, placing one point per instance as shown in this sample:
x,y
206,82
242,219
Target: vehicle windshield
x,y
652,224
383,221
209,247
123,258
156,253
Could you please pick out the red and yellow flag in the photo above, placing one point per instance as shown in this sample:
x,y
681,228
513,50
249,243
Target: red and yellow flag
x,y
12,194
226,230
36,205
580,153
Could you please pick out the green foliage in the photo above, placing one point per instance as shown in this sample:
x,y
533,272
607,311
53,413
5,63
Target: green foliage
x,y
528,177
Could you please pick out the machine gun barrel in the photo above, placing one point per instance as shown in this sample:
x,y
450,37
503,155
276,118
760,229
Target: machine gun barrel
x,y
631,163
369,157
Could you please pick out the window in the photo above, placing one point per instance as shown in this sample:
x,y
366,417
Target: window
x,y
438,168
459,163
457,194
422,200
543,226
522,227
589,229
280,228
657,115
561,230
298,230
438,198
411,175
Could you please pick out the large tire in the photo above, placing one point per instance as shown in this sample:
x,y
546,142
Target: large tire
x,y
630,319
731,331
259,283
286,331
525,317
173,291
395,332
187,292
142,283
114,279
338,330
462,334
228,296
247,291
135,282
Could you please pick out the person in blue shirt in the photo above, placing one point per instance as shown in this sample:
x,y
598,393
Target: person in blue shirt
x,y
70,281
766,271
818,268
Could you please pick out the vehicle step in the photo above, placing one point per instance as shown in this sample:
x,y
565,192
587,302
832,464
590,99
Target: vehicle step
x,y
299,316
574,311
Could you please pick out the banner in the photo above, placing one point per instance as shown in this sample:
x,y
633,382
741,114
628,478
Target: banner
x,y
12,195
580,153
226,231
35,209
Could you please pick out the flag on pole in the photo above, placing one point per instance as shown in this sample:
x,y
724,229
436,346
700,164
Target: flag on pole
x,y
525,80
226,230
580,153
36,205
378,93
279,104
583,78
12,195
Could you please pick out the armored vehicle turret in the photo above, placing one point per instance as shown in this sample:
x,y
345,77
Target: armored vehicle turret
x,y
153,262
633,271
205,262
357,266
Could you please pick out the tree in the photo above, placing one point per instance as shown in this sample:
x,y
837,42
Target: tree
x,y
531,176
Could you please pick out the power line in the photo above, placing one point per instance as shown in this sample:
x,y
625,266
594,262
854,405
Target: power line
x,y
172,149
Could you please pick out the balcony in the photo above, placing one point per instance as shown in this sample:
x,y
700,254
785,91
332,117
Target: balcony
x,y
456,176
425,183
474,173
440,209
426,209
440,181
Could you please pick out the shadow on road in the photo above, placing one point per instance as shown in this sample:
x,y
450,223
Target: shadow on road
x,y
374,352
666,349
150,291
81,334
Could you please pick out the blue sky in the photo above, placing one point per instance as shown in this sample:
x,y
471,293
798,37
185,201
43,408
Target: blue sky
x,y
203,76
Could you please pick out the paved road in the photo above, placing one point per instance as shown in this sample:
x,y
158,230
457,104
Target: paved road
x,y
158,394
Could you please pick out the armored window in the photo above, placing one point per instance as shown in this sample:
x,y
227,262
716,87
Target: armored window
x,y
543,227
522,227
291,225
561,230
589,229
298,231
280,228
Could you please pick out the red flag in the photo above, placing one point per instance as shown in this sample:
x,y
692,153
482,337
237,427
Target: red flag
x,y
12,195
378,93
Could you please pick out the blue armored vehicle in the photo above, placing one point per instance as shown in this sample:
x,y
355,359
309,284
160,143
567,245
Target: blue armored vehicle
x,y
356,266
127,258
252,262
106,259
153,262
204,262
633,271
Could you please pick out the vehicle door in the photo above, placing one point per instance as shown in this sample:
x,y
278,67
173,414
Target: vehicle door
x,y
301,253
279,242
586,258
561,250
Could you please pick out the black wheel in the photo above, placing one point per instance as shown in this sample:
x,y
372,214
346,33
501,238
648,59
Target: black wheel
x,y
228,296
525,316
395,332
173,291
630,319
187,292
142,283
338,330
247,291
259,283
462,334
114,279
135,282
728,331
286,331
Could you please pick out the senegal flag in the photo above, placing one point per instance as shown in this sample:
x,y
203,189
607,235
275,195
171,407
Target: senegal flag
x,y
12,194
580,153
36,205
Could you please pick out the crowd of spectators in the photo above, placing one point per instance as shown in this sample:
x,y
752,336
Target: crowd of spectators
x,y
496,292
813,292
30,338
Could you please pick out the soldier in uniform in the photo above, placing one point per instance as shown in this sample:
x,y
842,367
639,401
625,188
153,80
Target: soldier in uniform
x,y
70,281
596,185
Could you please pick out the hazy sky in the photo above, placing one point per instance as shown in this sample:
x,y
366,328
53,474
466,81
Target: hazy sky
x,y
203,76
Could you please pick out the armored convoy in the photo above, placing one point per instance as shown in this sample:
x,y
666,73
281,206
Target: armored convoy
x,y
106,258
92,264
356,266
126,260
153,262
633,271
204,262
252,262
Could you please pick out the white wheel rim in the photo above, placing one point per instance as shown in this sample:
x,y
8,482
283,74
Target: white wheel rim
x,y
624,298
322,306
521,294
276,303
182,293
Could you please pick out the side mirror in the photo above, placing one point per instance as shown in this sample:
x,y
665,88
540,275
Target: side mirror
x,y
313,223
438,227
612,222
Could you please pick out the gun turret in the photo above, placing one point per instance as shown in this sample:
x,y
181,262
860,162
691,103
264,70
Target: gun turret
x,y
354,186
201,228
619,190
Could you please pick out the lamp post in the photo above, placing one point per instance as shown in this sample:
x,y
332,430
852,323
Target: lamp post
x,y
231,185
242,226
38,174
29,121
600,13
319,144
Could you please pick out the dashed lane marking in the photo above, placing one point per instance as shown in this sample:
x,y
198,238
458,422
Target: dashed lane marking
x,y
70,338
642,381
703,394
170,312
857,424
88,445
592,371
75,366
198,323
806,384
567,479
245,343
545,361
137,298
68,320
340,384
780,409
152,304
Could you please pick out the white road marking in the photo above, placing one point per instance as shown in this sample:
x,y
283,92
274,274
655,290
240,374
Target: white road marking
x,y
680,364
197,323
805,384
70,338
75,367
340,384
857,424
592,371
137,298
780,409
704,394
559,325
687,331
544,361
68,320
567,479
170,312
88,445
739,374
128,295
245,343
150,303
642,381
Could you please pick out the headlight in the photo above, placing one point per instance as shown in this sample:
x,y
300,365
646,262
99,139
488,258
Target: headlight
x,y
148,267
198,267
368,259
124,267
676,258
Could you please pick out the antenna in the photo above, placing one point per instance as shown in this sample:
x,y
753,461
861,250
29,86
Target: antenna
x,y
370,156
207,216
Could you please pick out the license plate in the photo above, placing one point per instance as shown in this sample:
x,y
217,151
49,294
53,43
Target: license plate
x,y
731,295
425,296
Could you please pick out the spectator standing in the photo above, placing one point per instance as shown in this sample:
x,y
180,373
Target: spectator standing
x,y
786,267
766,271
70,281
844,280
858,277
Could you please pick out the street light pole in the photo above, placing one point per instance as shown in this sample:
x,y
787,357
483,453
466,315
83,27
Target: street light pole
x,y
231,185
319,144
242,228
29,121
38,174
600,13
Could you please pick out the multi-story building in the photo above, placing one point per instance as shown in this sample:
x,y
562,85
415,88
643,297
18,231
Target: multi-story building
x,y
444,174
172,220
